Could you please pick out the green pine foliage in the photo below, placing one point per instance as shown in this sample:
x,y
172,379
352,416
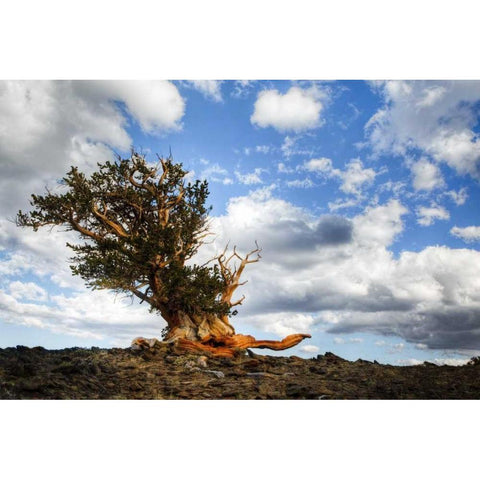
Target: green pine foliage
x,y
139,225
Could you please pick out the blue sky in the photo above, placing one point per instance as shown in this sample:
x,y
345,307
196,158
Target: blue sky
x,y
363,195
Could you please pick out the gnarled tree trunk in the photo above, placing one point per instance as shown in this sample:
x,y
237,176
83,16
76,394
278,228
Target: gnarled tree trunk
x,y
214,334
196,328
208,332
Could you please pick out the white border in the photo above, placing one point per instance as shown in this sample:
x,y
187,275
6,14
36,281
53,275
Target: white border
x,y
249,39
305,39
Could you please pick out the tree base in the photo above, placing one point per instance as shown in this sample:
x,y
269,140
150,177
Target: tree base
x,y
225,346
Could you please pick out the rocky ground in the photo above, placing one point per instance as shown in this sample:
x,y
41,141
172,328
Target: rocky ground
x,y
163,373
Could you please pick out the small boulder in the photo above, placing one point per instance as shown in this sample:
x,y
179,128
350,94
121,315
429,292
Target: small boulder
x,y
202,361
141,343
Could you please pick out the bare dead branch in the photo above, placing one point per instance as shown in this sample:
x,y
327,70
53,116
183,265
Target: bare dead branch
x,y
238,302
115,227
164,171
231,273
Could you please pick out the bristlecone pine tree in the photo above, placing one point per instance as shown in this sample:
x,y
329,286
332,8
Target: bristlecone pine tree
x,y
140,224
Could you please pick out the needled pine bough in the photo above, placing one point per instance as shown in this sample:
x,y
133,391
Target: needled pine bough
x,y
140,226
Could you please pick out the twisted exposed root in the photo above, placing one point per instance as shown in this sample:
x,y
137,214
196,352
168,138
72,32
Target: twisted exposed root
x,y
189,346
227,346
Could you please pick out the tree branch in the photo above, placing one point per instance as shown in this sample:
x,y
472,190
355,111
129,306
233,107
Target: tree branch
x,y
238,302
144,297
118,229
230,275
76,226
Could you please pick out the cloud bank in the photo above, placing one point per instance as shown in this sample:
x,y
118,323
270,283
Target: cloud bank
x,y
438,118
348,280
47,126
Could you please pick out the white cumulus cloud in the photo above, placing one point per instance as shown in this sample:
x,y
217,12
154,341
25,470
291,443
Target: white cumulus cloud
x,y
426,216
300,183
95,315
27,291
436,117
426,175
211,89
309,349
47,126
250,178
216,173
297,110
354,178
343,341
452,362
320,165
156,104
468,234
459,197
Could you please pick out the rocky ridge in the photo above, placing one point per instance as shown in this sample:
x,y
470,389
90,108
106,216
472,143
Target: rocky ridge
x,y
162,372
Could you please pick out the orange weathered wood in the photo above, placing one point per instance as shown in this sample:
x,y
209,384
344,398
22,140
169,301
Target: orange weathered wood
x,y
227,346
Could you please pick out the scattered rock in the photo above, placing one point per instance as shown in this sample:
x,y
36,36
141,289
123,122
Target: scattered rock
x,y
318,370
94,368
202,361
217,373
159,373
69,368
332,358
142,343
294,390
31,384
38,349
251,363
